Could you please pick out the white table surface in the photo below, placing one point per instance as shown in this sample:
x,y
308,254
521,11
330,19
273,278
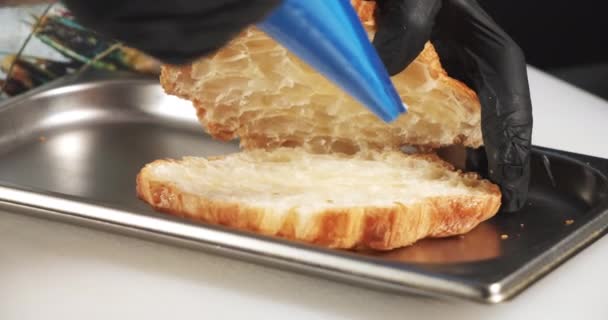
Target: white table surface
x,y
50,270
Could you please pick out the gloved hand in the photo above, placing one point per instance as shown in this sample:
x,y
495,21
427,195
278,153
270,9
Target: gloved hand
x,y
478,52
175,32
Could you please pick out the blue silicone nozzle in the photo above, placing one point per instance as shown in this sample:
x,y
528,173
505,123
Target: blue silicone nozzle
x,y
328,36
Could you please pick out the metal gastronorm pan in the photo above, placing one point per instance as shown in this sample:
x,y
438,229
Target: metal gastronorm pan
x,y
71,150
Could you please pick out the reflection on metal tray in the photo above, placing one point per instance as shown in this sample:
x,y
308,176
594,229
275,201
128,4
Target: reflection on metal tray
x,y
71,150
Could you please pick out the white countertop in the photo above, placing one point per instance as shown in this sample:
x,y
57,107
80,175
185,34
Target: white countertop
x,y
50,270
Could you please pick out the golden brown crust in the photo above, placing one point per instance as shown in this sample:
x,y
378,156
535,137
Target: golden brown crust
x,y
376,228
365,10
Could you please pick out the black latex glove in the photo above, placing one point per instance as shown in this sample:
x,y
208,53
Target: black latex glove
x,y
175,32
478,52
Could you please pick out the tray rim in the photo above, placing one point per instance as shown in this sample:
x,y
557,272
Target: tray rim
x,y
60,207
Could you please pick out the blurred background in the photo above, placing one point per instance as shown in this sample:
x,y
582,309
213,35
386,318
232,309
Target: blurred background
x,y
564,38
40,43
568,39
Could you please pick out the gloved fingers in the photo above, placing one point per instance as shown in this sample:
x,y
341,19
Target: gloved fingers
x,y
495,67
513,194
172,31
403,28
455,58
477,161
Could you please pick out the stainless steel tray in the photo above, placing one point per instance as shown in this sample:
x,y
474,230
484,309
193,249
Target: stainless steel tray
x,y
71,150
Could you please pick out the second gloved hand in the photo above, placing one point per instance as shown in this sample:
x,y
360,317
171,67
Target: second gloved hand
x,y
478,52
174,32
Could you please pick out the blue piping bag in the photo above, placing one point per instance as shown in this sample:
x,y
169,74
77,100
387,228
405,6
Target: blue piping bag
x,y
329,37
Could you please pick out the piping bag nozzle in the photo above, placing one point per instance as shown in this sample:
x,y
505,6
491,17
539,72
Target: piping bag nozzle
x,y
329,36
